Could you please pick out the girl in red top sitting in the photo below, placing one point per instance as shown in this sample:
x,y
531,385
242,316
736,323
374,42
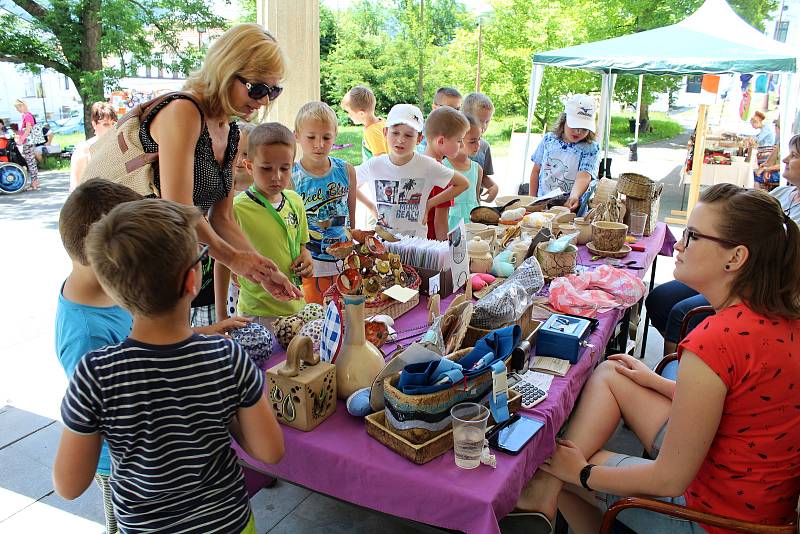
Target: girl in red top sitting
x,y
726,435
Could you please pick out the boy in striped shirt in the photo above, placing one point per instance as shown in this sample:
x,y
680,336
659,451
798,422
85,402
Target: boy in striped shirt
x,y
166,400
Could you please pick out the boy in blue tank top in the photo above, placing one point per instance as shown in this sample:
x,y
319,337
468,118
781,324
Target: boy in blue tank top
x,y
327,186
86,317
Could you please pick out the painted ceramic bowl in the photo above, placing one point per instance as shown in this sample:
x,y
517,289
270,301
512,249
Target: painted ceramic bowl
x,y
341,250
349,282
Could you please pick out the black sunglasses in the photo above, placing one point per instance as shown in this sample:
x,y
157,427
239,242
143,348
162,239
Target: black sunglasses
x,y
257,91
200,259
688,235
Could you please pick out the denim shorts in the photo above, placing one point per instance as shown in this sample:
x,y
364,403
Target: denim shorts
x,y
641,520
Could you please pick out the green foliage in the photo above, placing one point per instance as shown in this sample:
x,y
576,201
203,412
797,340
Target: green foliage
x,y
380,43
78,38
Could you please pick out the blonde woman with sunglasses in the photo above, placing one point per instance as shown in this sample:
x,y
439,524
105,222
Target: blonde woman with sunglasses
x,y
196,138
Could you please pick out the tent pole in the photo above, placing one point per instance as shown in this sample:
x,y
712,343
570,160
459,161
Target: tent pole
x,y
697,160
638,110
607,125
537,72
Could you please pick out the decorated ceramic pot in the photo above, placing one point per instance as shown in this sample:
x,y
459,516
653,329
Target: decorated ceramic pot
x,y
584,230
480,256
286,328
608,236
256,340
312,330
311,312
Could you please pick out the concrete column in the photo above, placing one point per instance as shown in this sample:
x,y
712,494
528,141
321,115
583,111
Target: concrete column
x,y
295,24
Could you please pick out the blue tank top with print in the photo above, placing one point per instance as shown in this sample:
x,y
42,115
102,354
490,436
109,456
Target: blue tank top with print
x,y
325,200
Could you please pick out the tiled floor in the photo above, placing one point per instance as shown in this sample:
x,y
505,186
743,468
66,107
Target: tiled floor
x,y
32,384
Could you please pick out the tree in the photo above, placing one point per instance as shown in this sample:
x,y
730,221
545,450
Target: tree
x,y
80,38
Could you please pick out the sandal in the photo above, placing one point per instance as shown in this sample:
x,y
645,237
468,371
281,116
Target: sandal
x,y
526,523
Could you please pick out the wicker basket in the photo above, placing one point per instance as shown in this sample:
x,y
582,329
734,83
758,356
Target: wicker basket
x,y
526,322
649,206
432,408
636,185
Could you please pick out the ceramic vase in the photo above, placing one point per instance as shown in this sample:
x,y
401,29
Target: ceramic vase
x,y
359,361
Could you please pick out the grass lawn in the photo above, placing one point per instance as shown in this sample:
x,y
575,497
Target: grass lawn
x,y
64,141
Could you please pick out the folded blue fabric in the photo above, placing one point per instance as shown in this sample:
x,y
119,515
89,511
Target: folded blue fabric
x,y
494,346
429,377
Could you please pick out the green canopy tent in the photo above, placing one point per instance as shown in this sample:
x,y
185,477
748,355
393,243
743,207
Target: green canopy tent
x,y
714,39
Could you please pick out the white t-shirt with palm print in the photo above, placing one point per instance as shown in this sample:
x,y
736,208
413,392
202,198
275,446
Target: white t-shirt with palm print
x,y
401,192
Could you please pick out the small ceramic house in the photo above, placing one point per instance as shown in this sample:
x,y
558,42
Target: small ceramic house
x,y
302,390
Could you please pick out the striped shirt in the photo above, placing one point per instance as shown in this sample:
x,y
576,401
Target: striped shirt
x,y
164,411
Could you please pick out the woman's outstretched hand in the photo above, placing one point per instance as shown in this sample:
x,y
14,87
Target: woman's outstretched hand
x,y
261,270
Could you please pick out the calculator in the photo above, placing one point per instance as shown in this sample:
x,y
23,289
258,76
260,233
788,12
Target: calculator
x,y
531,395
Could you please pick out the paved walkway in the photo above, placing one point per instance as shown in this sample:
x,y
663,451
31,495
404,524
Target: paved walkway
x,y
32,383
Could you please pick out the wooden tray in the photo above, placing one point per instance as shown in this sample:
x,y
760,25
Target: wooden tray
x,y
423,452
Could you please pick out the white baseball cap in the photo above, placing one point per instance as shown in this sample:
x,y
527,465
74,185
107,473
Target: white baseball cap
x,y
580,110
405,114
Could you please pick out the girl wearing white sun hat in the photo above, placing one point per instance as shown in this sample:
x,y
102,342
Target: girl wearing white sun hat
x,y
567,156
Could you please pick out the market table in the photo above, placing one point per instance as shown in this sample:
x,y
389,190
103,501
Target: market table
x,y
339,459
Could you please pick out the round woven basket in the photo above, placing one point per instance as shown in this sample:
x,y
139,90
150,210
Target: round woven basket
x,y
636,185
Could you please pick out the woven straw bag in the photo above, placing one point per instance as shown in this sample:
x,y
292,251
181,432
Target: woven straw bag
x,y
118,155
636,185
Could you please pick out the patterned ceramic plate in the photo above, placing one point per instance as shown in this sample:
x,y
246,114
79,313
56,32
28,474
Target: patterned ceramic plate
x,y
332,333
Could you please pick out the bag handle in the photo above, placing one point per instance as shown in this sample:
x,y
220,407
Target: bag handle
x,y
144,110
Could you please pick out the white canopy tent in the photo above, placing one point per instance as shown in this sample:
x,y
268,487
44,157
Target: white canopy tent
x,y
713,40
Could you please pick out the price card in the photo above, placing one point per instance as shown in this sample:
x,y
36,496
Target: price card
x,y
434,284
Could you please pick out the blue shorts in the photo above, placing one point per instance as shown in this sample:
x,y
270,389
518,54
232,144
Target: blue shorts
x,y
644,520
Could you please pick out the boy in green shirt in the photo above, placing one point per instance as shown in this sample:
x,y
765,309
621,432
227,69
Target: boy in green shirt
x,y
273,218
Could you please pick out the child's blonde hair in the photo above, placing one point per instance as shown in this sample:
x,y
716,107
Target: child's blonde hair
x,y
475,102
318,111
441,92
360,98
84,207
445,121
472,120
269,133
141,252
561,123
245,50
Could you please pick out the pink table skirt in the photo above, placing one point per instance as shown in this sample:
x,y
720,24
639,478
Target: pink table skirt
x,y
338,458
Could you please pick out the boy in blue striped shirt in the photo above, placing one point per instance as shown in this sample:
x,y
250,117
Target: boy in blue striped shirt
x,y
165,400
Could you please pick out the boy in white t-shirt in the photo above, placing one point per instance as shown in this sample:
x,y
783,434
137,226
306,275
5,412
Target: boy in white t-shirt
x,y
401,180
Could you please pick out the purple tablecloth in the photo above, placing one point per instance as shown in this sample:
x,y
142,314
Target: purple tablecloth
x,y
338,458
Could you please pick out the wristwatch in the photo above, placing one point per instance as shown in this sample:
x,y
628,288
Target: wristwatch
x,y
584,476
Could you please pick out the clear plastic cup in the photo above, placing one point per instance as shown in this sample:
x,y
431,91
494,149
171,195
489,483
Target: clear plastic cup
x,y
469,431
638,220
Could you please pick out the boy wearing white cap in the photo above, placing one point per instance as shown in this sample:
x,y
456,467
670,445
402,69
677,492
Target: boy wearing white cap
x,y
567,157
401,180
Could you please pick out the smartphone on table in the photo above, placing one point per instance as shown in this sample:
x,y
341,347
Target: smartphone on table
x,y
512,435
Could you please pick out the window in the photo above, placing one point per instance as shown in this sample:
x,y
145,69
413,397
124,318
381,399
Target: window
x,y
781,31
